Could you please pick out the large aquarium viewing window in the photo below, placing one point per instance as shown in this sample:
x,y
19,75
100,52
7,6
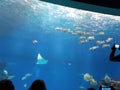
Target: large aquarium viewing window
x,y
66,47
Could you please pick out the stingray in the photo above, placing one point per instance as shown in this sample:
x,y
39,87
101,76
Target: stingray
x,y
41,60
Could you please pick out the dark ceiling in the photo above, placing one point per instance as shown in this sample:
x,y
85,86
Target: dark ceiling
x,y
105,3
102,6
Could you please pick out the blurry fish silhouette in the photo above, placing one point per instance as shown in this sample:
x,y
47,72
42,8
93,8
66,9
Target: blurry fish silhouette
x,y
41,60
35,41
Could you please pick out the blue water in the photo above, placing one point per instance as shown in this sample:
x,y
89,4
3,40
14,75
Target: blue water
x,y
22,21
